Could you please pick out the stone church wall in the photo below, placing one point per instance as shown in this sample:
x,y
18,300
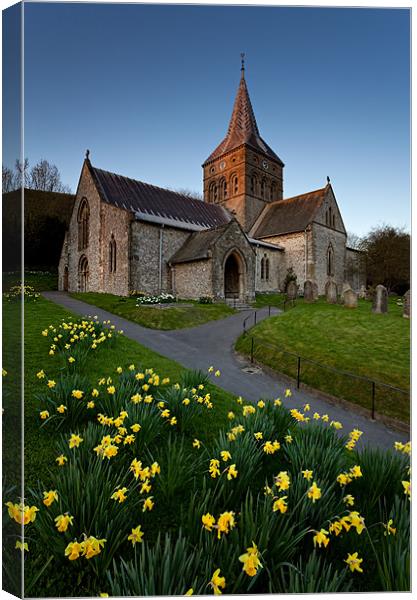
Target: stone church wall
x,y
145,259
86,190
294,256
115,221
322,237
193,279
276,270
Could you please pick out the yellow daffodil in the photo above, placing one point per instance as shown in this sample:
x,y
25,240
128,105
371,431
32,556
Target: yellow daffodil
x,y
90,404
389,529
314,493
22,547
135,427
321,538
62,522
217,582
91,547
232,472
75,440
355,472
148,504
136,536
95,393
230,415
49,497
261,404
51,383
336,527
316,416
119,495
277,402
407,488
22,514
145,487
258,435
208,521
111,389
357,521
288,439
214,468
354,562
250,560
217,373
349,500
41,374
225,454
77,394
44,414
61,460
307,474
225,523
280,504
282,481
189,592
288,393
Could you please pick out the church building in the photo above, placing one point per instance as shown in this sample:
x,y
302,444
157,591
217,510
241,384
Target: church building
x,y
126,236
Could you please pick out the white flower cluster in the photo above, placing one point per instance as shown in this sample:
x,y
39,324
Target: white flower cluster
x,y
160,299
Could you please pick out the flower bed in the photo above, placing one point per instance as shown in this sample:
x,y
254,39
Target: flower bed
x,y
17,292
161,299
279,502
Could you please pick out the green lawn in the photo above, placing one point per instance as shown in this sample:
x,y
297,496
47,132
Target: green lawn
x,y
39,449
374,346
262,300
157,318
40,280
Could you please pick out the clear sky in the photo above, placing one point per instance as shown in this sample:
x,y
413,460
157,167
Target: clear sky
x,y
149,90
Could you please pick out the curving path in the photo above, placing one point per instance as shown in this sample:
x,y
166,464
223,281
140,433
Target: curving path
x,y
213,344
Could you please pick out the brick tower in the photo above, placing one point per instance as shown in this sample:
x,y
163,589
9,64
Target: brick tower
x,y
243,173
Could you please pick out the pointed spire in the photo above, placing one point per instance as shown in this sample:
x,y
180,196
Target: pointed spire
x,y
243,128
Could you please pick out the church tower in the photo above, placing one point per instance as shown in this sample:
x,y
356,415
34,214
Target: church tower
x,y
243,173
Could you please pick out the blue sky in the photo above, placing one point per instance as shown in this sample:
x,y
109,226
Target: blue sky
x,y
149,90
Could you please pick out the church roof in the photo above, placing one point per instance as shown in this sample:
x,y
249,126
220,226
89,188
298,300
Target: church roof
x,y
289,215
243,128
155,203
197,245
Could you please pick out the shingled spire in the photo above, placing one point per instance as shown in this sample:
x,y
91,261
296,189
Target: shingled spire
x,y
243,128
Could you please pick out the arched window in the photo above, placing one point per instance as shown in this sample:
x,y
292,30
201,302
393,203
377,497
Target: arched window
x,y
83,224
273,190
330,261
223,189
254,184
235,184
263,186
213,192
334,222
112,255
266,268
262,268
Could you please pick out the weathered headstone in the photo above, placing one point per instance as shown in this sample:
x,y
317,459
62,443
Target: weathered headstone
x,y
362,292
331,292
308,291
350,298
407,305
345,287
292,290
380,301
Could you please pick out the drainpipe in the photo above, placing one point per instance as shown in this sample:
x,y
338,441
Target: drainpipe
x,y
305,254
256,266
161,230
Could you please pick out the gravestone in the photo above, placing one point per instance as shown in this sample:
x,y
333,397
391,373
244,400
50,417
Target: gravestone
x,y
380,301
331,292
362,293
308,291
350,298
407,305
292,290
345,287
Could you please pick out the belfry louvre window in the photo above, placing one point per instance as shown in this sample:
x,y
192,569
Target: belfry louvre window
x,y
83,224
112,255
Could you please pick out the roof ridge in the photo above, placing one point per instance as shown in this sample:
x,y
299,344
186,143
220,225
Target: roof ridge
x,y
299,196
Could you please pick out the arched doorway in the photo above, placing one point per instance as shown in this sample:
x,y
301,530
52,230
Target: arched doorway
x,y
233,276
66,274
83,274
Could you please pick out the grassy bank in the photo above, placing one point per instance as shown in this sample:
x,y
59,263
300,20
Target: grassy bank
x,y
40,280
354,340
177,317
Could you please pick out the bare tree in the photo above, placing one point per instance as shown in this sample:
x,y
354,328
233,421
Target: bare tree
x,y
7,179
45,176
21,173
353,241
187,192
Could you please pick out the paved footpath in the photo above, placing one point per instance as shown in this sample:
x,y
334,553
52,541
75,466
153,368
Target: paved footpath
x,y
212,344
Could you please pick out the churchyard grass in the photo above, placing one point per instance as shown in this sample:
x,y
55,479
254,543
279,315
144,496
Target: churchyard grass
x,y
354,340
40,280
208,493
177,317
275,299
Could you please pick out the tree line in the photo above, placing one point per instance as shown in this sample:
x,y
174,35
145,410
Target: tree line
x,y
41,176
386,256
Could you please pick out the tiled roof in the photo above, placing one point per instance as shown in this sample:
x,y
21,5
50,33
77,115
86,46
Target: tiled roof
x,y
155,202
197,245
243,128
290,215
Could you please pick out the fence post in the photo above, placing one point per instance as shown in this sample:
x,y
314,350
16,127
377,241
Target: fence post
x,y
269,310
298,372
251,350
373,401
255,316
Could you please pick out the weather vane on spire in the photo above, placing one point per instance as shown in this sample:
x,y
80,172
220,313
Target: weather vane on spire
x,y
242,58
